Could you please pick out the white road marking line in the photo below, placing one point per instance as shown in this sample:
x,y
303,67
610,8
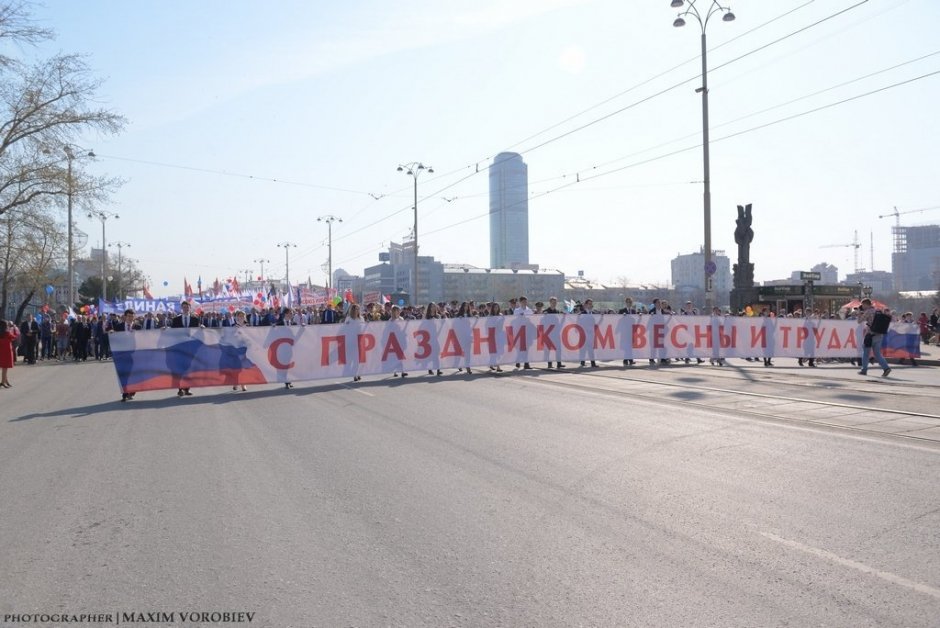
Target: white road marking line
x,y
846,562
361,392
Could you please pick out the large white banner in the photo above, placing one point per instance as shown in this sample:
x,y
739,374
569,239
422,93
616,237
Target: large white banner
x,y
151,360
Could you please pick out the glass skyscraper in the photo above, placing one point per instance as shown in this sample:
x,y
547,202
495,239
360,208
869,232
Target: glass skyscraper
x,y
509,211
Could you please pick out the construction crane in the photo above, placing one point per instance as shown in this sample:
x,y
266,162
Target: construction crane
x,y
855,244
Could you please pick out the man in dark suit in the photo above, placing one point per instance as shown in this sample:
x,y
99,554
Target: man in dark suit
x,y
125,326
29,330
185,320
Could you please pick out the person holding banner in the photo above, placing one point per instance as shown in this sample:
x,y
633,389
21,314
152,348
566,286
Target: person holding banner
x,y
627,309
285,320
522,309
125,326
185,321
396,316
354,316
587,308
433,312
553,309
240,320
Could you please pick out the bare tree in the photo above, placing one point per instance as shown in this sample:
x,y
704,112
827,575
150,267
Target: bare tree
x,y
44,107
30,243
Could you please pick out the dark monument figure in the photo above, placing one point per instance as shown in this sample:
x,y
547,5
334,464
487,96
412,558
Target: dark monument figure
x,y
743,291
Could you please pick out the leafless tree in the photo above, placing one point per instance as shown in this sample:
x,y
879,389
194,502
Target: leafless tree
x,y
44,107
30,244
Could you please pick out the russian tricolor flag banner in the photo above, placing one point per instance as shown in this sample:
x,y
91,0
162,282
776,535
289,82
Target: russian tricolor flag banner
x,y
229,356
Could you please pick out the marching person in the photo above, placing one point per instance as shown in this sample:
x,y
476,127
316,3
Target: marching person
x,y
522,309
588,308
395,315
553,309
286,320
433,312
184,321
126,325
355,316
628,309
876,327
240,320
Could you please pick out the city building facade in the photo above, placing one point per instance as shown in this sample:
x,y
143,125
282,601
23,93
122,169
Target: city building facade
x,y
915,262
688,277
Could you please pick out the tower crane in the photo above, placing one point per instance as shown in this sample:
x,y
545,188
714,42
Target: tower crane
x,y
855,244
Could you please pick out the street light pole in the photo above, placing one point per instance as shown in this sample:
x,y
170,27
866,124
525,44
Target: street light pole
x,y
287,247
329,220
247,272
103,216
69,191
262,261
413,169
727,16
120,246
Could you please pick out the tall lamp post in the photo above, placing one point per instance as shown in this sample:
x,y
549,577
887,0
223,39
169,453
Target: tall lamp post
x,y
262,261
103,216
287,247
70,155
120,247
247,272
329,220
726,16
413,169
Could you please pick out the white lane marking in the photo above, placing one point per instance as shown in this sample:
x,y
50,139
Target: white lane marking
x,y
361,392
846,562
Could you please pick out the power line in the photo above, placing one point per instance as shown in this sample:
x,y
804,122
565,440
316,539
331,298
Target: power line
x,y
697,146
234,174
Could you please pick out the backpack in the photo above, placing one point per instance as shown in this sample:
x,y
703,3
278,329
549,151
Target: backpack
x,y
880,322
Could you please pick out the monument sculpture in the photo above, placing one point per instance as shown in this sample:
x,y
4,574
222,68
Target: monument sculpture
x,y
743,235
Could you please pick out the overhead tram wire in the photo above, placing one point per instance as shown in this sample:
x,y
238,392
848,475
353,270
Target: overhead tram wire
x,y
234,174
762,111
636,103
486,167
672,153
582,179
626,91
653,78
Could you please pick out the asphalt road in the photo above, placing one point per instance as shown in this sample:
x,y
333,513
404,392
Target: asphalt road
x,y
521,500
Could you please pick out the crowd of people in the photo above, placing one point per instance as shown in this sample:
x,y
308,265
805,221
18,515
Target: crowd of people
x,y
84,338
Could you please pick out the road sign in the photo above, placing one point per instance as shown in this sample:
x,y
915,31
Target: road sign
x,y
711,267
807,276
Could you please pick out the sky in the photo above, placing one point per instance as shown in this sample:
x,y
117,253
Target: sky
x,y
249,120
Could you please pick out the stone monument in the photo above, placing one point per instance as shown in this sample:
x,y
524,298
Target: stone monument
x,y
743,292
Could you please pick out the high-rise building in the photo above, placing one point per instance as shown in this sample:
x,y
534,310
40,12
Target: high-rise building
x,y
916,258
509,212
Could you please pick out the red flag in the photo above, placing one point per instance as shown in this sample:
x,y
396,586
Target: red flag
x,y
348,297
187,289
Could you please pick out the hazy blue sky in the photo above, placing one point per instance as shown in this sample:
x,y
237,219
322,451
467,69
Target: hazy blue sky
x,y
329,97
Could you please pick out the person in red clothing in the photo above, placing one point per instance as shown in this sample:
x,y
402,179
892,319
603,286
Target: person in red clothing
x,y
8,334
